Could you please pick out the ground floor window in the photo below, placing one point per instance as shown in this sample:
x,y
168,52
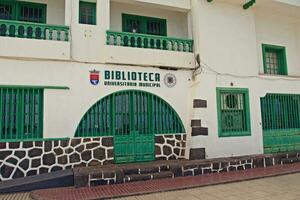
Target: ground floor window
x,y
21,113
233,112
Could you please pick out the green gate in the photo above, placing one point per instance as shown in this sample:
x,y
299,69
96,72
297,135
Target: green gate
x,y
281,122
133,118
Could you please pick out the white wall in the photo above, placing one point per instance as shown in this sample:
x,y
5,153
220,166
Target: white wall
x,y
176,21
281,31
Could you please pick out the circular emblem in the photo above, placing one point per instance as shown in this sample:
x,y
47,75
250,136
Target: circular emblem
x,y
170,80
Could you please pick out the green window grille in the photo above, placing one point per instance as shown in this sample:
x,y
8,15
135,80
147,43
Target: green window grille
x,y
129,111
23,11
144,25
233,112
21,112
87,13
274,58
281,122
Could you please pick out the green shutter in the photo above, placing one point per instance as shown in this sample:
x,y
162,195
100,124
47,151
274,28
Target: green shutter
x,y
87,13
233,112
274,60
21,113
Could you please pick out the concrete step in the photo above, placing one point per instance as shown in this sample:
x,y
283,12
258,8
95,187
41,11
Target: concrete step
x,y
145,177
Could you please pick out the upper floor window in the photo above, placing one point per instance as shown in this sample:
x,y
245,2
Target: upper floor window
x,y
87,13
144,25
21,113
233,112
274,58
23,11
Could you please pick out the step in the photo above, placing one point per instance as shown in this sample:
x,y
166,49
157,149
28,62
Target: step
x,y
290,160
145,177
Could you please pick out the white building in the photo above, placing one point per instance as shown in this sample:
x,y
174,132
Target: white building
x,y
163,79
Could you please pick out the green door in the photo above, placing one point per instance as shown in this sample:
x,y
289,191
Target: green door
x,y
134,141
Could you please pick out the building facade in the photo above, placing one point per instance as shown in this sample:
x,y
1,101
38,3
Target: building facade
x,y
109,81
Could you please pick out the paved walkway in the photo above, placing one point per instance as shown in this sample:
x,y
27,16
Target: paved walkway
x,y
285,187
136,188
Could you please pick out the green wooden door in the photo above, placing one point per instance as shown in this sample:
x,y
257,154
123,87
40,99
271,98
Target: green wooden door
x,y
134,141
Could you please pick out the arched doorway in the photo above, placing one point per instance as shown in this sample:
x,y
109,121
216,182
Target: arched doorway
x,y
134,118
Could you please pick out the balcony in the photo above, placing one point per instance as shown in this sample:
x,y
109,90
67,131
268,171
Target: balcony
x,y
127,39
26,30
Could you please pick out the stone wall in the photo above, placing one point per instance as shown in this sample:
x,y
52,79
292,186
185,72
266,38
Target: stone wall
x,y
20,159
170,147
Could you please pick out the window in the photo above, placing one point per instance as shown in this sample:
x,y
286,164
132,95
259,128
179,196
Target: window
x,y
233,112
144,25
23,11
280,111
87,13
274,58
21,113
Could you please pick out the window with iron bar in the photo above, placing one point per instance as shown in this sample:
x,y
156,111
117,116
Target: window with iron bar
x,y
274,59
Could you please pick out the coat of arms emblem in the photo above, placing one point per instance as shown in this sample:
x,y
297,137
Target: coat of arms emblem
x,y
94,77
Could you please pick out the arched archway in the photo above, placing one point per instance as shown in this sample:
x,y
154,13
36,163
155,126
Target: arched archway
x,y
133,117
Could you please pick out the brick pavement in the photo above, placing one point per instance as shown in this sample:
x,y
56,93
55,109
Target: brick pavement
x,y
138,188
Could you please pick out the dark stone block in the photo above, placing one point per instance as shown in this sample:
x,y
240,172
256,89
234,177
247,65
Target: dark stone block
x,y
196,131
24,164
196,154
173,157
38,143
138,177
176,170
199,103
177,151
4,154
157,150
14,145
107,142
197,171
81,181
159,139
130,171
92,145
149,170
64,143
75,142
86,155
36,163
182,152
94,163
12,161
56,168
110,153
55,143
97,139
109,174
99,153
120,176
20,154
108,162
188,173
35,152
195,122
18,174
269,162
48,146
80,148
48,159
184,137
74,158
43,170
100,182
6,171
80,165
63,160
167,150
2,145
161,158
58,151
178,137
216,166
171,142
27,145
87,140
169,136
69,150
31,173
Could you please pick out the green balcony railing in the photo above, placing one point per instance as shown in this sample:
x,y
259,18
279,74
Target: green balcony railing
x,y
138,40
10,28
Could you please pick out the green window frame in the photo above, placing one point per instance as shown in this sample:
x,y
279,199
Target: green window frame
x,y
87,13
144,25
274,59
23,11
21,113
233,112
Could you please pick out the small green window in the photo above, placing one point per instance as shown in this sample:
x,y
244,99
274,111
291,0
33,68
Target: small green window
x,y
7,10
274,58
87,13
21,114
144,25
233,112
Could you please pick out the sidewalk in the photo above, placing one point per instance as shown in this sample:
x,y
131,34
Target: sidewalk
x,y
146,187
